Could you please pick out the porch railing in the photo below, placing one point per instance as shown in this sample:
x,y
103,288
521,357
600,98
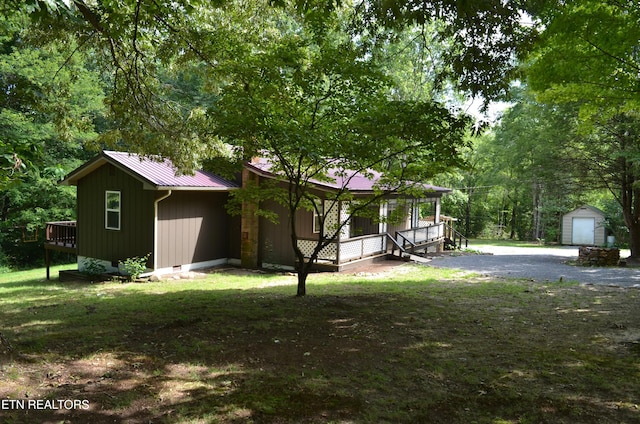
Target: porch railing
x,y
62,233
456,237
419,236
373,244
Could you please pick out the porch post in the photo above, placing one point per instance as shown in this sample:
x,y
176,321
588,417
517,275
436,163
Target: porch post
x,y
338,236
440,245
249,225
415,213
47,260
384,209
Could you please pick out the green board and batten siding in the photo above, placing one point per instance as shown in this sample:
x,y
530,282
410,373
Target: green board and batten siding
x,y
193,226
275,238
135,237
188,213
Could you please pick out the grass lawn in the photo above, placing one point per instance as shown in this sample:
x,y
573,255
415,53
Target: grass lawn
x,y
410,344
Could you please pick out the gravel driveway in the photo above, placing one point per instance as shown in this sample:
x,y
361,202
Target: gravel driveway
x,y
539,264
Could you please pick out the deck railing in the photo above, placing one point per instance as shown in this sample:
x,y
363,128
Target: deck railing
x,y
339,252
361,247
59,236
418,236
62,233
456,237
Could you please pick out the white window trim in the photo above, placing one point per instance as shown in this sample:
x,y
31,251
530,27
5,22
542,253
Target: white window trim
x,y
107,209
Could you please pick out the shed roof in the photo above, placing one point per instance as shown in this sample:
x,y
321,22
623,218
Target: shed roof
x,y
587,207
351,180
155,173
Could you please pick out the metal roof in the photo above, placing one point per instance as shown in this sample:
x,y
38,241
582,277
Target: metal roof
x,y
155,172
160,174
351,180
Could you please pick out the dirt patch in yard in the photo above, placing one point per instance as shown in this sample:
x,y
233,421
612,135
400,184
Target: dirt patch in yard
x,y
390,343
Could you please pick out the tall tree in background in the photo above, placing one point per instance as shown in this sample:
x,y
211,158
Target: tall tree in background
x,y
483,39
470,186
534,166
533,150
589,55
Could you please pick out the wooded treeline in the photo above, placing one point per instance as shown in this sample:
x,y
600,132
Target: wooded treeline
x,y
204,83
532,167
571,136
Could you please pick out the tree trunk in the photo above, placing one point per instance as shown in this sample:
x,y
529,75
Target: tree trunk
x,y
302,267
630,202
537,215
467,218
303,273
630,210
513,221
634,244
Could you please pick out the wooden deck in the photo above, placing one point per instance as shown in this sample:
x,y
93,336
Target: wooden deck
x,y
60,236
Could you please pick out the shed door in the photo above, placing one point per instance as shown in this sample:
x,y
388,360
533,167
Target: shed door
x,y
583,231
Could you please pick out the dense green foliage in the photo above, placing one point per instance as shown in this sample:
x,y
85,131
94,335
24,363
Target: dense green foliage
x,y
311,100
588,53
50,102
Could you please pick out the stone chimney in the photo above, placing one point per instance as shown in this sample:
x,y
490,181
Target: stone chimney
x,y
250,224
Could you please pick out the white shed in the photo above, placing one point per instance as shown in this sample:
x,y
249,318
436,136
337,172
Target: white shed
x,y
584,227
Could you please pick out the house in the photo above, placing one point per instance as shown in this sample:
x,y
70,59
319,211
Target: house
x,y
132,206
362,236
584,226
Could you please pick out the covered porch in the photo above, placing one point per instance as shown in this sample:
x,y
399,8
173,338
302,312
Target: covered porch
x,y
340,254
394,227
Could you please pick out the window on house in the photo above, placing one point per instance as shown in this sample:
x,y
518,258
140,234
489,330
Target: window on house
x,y
318,211
112,207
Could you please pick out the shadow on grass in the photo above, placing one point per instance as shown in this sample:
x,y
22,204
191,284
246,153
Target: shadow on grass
x,y
374,352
